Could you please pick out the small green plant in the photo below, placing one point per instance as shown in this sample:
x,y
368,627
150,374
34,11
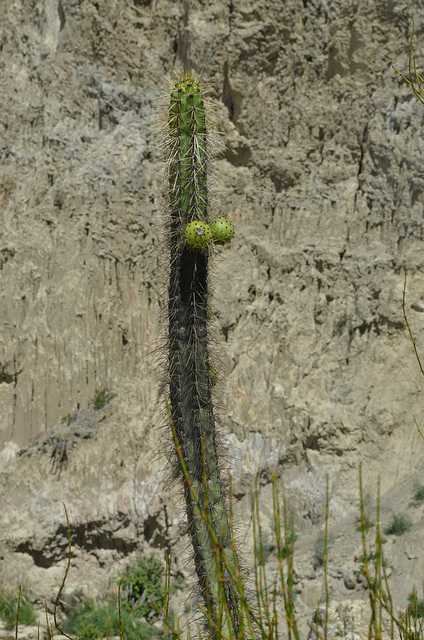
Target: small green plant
x,y
343,321
399,525
368,522
141,585
139,588
415,606
419,492
89,621
67,419
101,398
268,545
366,525
289,544
373,569
8,605
322,543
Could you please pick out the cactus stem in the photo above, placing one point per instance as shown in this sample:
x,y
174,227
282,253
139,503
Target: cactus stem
x,y
191,409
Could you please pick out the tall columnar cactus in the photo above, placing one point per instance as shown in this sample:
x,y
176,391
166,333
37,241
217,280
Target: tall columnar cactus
x,y
189,368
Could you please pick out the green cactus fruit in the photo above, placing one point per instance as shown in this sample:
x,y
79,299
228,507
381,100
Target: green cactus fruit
x,y
222,230
198,234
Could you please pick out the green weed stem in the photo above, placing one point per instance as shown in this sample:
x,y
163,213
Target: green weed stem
x,y
284,554
411,335
62,586
325,557
17,612
418,90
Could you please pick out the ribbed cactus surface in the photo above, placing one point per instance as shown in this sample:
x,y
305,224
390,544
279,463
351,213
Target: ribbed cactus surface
x,y
189,368
188,157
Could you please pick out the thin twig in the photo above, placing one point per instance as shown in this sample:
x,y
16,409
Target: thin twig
x,y
325,559
62,586
419,93
121,624
411,335
17,612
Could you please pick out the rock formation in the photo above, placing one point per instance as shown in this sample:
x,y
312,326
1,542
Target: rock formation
x,y
322,176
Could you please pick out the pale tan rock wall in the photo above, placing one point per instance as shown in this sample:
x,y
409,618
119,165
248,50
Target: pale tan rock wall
x,y
323,178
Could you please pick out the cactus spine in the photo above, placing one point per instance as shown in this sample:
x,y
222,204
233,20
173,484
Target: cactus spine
x,y
189,368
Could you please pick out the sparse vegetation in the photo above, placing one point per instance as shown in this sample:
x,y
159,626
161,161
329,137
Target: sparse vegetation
x,y
321,545
142,595
415,606
101,398
8,606
367,525
89,621
399,525
343,321
141,586
289,542
264,550
419,492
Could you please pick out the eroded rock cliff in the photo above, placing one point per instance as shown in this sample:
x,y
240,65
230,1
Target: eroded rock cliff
x,y
322,176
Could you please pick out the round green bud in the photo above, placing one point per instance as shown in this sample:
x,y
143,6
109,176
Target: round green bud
x,y
198,234
222,230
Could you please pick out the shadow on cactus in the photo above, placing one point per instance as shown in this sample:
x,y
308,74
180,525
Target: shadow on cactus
x,y
190,385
